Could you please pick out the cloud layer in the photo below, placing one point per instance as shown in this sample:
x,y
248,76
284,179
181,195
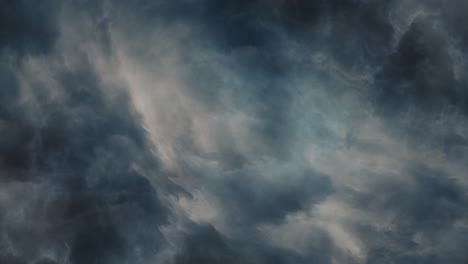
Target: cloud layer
x,y
233,131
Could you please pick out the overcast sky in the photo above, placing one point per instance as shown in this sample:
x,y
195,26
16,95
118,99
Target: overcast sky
x,y
233,131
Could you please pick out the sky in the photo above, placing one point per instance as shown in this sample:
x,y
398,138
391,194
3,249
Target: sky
x,y
234,131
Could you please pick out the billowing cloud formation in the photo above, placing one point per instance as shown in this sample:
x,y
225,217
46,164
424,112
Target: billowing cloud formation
x,y
233,131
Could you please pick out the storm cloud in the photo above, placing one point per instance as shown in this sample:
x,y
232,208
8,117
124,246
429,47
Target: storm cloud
x,y
262,131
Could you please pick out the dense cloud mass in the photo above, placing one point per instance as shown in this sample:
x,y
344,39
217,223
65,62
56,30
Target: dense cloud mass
x,y
236,131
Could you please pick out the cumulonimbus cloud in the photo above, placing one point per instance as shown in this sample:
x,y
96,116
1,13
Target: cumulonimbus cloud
x,y
233,131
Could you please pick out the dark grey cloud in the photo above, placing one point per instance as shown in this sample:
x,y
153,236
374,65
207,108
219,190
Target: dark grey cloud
x,y
276,200
423,213
73,161
233,131
27,27
69,179
217,248
420,72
